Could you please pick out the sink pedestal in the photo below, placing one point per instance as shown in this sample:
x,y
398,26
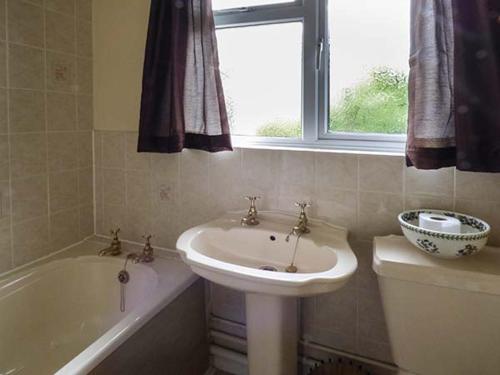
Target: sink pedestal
x,y
272,334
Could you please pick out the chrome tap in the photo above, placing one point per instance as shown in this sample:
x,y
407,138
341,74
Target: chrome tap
x,y
302,224
251,216
115,248
147,253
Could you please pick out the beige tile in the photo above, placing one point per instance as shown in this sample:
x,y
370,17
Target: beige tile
x,y
113,187
29,198
485,210
5,249
63,151
365,277
2,20
134,159
296,179
85,112
260,174
113,149
60,32
25,23
113,217
62,6
84,76
4,157
334,339
165,171
226,181
60,72
61,111
30,240
84,9
28,153
482,186
381,174
84,37
63,190
138,189
86,186
415,201
98,149
5,199
165,226
334,172
339,209
375,350
337,311
194,175
432,182
3,65
3,111
26,111
378,214
138,223
84,149
26,67
64,229
86,221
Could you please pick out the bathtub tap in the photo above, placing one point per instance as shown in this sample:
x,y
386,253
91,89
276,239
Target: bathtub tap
x,y
115,248
147,253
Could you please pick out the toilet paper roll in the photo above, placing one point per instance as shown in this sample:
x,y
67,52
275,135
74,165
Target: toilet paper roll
x,y
440,223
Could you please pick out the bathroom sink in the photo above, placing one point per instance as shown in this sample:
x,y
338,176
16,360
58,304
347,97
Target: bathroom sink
x,y
255,258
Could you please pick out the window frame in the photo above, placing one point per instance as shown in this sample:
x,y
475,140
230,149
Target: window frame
x,y
315,80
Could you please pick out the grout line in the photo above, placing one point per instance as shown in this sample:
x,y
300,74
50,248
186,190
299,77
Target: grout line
x,y
45,74
9,146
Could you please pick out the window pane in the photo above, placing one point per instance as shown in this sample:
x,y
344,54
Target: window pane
x,y
228,4
261,74
369,65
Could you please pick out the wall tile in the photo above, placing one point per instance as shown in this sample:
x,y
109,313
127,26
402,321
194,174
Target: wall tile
x,y
85,112
296,178
63,151
84,149
4,157
113,187
339,209
61,111
381,174
86,186
84,9
226,176
3,111
25,23
60,32
5,249
113,149
432,182
414,201
29,198
486,210
478,186
62,6
134,159
27,111
84,38
84,76
2,20
138,223
63,190
113,217
30,240
5,204
86,221
60,72
378,214
138,189
64,229
334,172
26,67
28,153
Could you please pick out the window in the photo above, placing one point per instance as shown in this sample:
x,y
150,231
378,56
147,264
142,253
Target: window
x,y
315,73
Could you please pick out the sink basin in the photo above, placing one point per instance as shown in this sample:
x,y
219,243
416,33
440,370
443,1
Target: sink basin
x,y
226,253
254,259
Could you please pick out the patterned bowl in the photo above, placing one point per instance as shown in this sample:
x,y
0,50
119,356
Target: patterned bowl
x,y
473,236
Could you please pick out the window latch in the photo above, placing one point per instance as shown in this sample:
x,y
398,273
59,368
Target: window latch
x,y
319,53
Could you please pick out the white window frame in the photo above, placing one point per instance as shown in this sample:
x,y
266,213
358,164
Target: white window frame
x,y
315,80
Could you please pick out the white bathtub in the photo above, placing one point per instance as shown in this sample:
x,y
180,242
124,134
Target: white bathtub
x,y
63,316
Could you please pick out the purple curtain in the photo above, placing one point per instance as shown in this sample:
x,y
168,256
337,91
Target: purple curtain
x,y
454,114
182,104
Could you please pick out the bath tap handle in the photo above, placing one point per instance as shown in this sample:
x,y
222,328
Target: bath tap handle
x,y
252,198
114,233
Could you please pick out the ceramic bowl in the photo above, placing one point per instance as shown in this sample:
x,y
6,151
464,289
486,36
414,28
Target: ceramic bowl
x,y
473,236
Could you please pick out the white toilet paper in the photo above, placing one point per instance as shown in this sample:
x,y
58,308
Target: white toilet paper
x,y
440,223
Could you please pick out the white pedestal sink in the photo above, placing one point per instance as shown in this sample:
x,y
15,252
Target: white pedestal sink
x,y
226,253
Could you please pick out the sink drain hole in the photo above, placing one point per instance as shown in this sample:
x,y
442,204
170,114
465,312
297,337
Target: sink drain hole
x,y
268,268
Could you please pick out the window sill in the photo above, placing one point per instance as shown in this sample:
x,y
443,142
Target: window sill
x,y
388,146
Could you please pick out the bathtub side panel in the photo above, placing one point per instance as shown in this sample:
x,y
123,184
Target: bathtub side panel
x,y
172,342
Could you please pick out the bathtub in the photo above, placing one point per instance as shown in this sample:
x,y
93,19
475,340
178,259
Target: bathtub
x,y
63,315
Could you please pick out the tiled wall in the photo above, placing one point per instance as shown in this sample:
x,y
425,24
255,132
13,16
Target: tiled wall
x,y
46,185
166,194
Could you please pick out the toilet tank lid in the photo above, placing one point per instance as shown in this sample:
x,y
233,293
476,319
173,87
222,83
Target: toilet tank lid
x,y
395,257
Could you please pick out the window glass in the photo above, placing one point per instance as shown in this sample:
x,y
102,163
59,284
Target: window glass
x,y
261,74
369,65
228,4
